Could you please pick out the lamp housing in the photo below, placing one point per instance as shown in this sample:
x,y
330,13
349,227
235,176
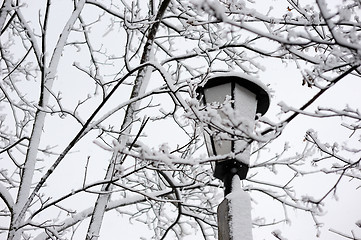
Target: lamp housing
x,y
237,98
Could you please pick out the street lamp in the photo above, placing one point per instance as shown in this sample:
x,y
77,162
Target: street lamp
x,y
248,97
237,99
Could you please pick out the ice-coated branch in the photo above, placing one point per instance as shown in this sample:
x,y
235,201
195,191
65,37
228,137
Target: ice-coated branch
x,y
5,9
314,98
6,197
24,199
177,194
140,84
31,36
72,143
337,36
78,217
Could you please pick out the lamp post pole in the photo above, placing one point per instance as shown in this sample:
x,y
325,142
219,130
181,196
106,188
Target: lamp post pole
x,y
248,98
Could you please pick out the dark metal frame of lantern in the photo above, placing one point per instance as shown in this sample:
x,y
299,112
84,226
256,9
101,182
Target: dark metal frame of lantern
x,y
242,86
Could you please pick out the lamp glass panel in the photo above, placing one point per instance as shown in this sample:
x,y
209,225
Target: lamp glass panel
x,y
245,111
218,94
245,103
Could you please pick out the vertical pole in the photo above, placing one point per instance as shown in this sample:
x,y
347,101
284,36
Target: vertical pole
x,y
234,214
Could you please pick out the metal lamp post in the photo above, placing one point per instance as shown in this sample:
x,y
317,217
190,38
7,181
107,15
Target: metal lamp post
x,y
248,97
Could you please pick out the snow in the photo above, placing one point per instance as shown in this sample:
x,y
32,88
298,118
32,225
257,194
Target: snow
x,y
212,7
29,168
78,217
161,154
24,198
284,107
240,212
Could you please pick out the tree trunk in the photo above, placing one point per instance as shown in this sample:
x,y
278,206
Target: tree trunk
x,y
140,85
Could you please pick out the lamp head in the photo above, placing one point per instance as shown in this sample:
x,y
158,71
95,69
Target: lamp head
x,y
249,97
